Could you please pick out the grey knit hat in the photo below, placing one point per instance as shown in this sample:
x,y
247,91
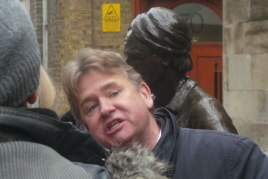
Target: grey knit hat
x,y
19,54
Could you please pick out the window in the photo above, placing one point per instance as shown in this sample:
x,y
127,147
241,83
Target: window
x,y
204,24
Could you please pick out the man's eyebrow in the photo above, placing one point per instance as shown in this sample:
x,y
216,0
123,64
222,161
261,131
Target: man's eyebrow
x,y
103,88
109,85
85,101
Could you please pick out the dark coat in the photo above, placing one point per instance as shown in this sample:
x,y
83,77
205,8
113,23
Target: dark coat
x,y
208,154
196,109
41,126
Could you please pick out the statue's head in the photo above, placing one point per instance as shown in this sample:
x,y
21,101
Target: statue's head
x,y
157,39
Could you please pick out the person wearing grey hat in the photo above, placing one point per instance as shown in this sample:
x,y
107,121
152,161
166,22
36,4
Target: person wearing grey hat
x,y
33,142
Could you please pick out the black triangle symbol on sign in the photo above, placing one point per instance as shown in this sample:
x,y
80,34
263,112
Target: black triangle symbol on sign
x,y
111,14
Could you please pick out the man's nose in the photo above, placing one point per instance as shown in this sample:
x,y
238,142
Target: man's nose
x,y
106,107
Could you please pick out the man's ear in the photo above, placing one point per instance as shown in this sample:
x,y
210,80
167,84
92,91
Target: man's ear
x,y
146,94
32,98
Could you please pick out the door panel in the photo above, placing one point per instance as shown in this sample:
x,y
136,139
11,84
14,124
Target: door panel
x,y
204,57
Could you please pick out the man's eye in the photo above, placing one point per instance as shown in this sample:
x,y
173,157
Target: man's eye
x,y
114,94
91,108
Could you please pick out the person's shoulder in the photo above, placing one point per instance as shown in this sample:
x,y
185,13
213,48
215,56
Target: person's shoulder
x,y
49,163
199,94
210,142
217,142
213,140
199,100
239,156
201,133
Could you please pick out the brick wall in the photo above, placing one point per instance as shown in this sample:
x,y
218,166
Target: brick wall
x,y
77,24
36,17
54,61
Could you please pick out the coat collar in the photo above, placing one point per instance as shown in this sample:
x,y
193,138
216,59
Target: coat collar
x,y
170,132
181,94
66,139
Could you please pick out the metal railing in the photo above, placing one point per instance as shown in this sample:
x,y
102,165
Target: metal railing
x,y
217,82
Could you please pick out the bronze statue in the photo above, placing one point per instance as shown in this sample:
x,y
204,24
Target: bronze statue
x,y
158,46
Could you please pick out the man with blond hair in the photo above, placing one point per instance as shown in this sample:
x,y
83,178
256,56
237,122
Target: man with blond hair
x,y
112,101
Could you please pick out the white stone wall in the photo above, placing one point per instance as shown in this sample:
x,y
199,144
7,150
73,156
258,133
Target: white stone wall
x,y
245,64
26,5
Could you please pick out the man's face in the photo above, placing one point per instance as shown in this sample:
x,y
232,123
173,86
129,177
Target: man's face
x,y
113,110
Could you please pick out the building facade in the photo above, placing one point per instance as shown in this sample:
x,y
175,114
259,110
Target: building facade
x,y
64,26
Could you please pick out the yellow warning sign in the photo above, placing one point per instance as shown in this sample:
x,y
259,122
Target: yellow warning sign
x,y
111,17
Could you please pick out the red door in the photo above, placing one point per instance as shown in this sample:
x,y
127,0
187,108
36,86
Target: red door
x,y
205,57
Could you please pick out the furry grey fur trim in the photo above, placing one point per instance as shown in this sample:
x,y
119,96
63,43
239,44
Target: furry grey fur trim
x,y
136,162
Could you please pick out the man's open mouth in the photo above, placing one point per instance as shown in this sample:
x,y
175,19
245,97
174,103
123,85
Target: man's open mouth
x,y
114,124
